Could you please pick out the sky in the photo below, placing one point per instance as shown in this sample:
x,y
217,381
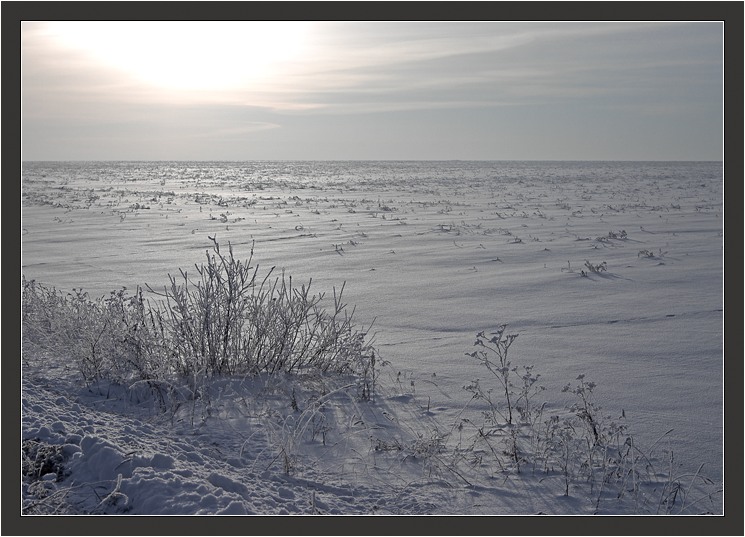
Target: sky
x,y
388,90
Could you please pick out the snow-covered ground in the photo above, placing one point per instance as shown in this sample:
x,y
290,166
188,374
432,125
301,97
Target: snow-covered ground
x,y
432,254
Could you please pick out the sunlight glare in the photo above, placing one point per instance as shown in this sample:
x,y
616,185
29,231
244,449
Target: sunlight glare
x,y
189,55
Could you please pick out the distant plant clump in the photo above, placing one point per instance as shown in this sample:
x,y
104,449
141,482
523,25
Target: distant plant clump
x,y
597,269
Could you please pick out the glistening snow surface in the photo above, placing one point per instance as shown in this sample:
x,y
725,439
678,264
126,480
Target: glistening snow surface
x,y
432,253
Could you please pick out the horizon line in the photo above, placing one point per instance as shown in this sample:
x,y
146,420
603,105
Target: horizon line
x,y
372,160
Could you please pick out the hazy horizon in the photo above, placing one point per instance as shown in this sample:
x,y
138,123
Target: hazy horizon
x,y
379,91
365,160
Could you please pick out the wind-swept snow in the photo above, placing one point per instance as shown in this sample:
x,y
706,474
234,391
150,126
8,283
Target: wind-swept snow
x,y
608,270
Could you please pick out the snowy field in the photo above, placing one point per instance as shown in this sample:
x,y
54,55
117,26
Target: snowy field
x,y
608,270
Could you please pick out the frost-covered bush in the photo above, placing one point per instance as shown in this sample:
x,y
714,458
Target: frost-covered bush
x,y
224,320
107,338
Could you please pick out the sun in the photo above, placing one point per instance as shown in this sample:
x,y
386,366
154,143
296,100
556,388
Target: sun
x,y
189,55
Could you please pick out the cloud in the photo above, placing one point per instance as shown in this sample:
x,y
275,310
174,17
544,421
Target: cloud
x,y
504,64
378,71
395,62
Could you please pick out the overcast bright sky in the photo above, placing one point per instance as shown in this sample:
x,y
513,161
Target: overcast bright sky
x,y
372,90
